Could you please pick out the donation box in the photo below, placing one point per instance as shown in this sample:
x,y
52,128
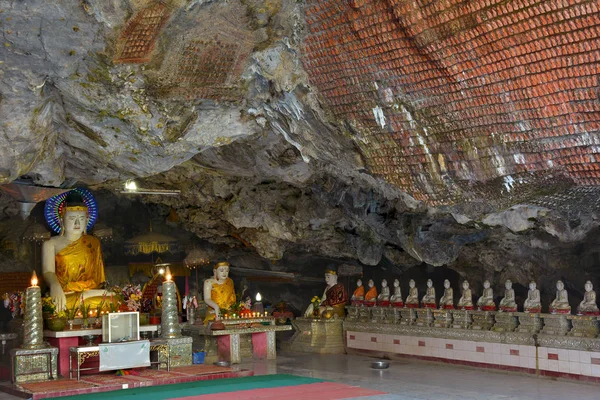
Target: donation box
x,y
120,327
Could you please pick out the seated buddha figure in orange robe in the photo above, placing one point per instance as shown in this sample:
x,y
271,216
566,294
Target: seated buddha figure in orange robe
x,y
72,262
219,292
371,295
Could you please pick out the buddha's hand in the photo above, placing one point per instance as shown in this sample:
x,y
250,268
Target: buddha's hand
x,y
217,313
58,295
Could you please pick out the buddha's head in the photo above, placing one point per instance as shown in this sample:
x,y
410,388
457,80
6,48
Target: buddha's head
x,y
560,285
486,284
396,283
330,276
446,283
411,283
508,284
221,271
465,285
74,220
371,283
429,283
532,285
359,283
588,286
384,283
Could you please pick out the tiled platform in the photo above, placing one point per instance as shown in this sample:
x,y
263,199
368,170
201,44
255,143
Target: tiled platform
x,y
109,381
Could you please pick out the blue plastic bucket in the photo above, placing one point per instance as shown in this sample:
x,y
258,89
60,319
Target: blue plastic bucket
x,y
198,358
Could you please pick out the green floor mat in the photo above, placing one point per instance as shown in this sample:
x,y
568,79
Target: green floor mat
x,y
164,392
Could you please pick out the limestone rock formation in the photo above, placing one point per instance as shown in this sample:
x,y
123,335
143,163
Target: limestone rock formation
x,y
386,132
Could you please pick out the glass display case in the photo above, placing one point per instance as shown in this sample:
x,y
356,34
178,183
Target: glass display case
x,y
120,327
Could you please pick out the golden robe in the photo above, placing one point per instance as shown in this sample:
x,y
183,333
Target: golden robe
x,y
79,267
223,294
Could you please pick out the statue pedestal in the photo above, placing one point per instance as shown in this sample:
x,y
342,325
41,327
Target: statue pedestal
x,y
443,318
556,324
352,313
505,322
584,326
409,316
529,323
462,319
392,315
364,314
324,336
378,314
483,320
34,364
424,317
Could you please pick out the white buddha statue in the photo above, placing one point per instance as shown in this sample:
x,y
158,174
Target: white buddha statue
x,y
466,299
486,301
72,263
533,303
508,303
447,300
412,300
384,296
396,298
560,304
588,306
429,301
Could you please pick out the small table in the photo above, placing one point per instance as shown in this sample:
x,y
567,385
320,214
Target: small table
x,y
82,353
66,339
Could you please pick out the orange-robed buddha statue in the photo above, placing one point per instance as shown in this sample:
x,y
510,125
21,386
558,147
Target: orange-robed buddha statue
x,y
72,263
219,292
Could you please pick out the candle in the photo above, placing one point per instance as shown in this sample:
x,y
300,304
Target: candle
x,y
33,323
169,320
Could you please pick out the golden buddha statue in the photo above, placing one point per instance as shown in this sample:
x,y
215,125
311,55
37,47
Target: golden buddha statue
x,y
219,292
72,263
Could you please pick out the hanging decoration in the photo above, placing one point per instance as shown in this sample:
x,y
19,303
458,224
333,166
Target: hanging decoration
x,y
55,204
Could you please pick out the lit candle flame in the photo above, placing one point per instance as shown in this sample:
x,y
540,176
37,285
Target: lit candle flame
x,y
34,279
168,274
258,297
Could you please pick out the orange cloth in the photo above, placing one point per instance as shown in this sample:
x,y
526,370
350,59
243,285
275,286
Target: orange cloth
x,y
371,294
224,295
359,292
79,266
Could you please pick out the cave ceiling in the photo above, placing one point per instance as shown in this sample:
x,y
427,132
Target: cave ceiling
x,y
459,133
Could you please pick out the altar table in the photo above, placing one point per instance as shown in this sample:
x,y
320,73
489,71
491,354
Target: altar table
x,y
66,339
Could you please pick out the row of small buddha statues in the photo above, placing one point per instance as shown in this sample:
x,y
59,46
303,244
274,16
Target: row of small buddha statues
x,y
532,304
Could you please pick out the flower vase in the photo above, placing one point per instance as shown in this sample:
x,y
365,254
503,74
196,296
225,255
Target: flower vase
x,y
70,322
316,312
144,318
85,324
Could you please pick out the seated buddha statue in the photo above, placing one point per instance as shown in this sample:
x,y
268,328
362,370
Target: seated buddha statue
x,y
429,301
560,305
219,292
396,299
466,299
486,301
72,263
532,303
359,293
412,300
588,306
508,303
447,300
334,297
371,295
383,299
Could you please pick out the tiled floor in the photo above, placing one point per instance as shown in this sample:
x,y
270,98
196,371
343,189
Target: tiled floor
x,y
412,380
